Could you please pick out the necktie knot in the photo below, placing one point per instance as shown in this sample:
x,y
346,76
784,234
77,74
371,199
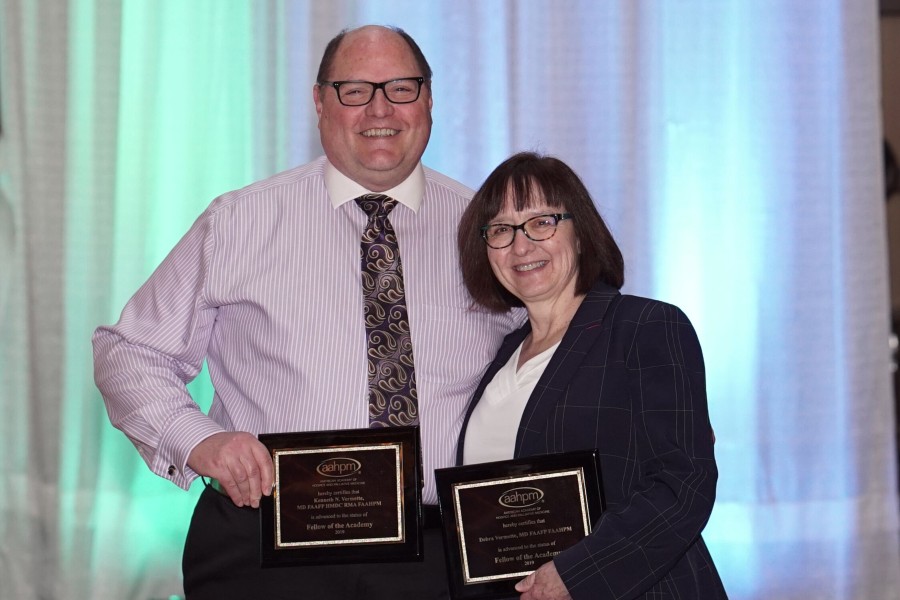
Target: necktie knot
x,y
376,205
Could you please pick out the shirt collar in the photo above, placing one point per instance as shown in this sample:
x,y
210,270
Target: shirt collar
x,y
342,189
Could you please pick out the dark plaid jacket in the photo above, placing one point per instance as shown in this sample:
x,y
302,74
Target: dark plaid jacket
x,y
628,379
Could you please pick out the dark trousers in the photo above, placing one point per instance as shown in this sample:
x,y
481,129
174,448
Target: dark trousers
x,y
221,562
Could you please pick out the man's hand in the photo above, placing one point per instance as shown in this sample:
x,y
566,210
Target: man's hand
x,y
239,461
543,584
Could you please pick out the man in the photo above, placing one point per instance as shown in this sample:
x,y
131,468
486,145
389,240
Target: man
x,y
266,287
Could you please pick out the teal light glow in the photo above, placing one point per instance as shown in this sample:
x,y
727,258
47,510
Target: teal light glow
x,y
184,133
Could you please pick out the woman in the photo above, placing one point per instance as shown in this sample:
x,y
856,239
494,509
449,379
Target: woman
x,y
591,368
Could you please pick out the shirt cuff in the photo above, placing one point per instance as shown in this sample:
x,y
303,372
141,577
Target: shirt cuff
x,y
179,440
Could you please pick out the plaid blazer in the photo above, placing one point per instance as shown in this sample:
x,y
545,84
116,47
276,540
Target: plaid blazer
x,y
628,379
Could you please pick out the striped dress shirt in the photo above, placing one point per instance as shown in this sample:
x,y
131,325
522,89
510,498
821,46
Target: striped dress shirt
x,y
266,288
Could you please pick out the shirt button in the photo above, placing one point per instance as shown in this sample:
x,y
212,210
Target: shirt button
x,y
172,470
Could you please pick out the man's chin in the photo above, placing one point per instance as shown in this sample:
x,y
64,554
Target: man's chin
x,y
393,168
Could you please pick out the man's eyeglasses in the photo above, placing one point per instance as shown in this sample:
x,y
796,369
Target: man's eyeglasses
x,y
360,93
536,229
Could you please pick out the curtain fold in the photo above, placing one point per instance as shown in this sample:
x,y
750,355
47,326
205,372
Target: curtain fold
x,y
734,149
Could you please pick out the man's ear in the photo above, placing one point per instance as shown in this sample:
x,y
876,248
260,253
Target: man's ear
x,y
317,99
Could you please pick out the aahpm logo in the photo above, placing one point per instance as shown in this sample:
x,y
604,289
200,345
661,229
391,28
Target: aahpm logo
x,y
338,467
520,497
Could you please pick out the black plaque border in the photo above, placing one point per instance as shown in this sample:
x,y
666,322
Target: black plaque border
x,y
449,479
410,549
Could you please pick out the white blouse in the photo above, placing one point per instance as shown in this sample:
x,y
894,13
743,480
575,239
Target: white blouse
x,y
491,433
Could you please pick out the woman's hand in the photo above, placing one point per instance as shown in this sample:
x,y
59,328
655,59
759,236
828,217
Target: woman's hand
x,y
543,584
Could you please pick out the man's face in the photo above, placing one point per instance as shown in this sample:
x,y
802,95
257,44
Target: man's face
x,y
379,144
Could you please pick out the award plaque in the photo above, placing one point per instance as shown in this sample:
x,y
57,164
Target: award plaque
x,y
342,496
502,520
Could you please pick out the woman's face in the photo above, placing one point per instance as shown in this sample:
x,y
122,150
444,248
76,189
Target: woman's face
x,y
534,272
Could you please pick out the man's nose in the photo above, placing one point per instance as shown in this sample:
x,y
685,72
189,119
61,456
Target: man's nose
x,y
379,104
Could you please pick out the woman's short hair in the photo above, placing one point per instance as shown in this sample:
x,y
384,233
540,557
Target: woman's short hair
x,y
527,178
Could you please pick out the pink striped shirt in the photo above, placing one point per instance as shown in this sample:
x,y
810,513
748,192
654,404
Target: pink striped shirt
x,y
266,287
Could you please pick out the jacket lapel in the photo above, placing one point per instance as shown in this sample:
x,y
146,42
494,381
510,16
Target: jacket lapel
x,y
580,337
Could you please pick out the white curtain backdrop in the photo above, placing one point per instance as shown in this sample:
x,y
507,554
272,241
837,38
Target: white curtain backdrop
x,y
733,146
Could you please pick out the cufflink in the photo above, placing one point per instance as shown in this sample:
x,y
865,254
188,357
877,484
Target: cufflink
x,y
172,470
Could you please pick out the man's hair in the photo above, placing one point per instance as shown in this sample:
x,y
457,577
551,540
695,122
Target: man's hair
x,y
335,43
527,179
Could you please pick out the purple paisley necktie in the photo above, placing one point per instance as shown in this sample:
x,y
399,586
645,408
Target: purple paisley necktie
x,y
392,381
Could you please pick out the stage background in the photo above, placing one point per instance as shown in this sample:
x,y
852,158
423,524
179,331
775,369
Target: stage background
x,y
734,148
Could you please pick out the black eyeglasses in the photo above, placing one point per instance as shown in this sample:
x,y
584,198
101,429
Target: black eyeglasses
x,y
360,93
536,229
